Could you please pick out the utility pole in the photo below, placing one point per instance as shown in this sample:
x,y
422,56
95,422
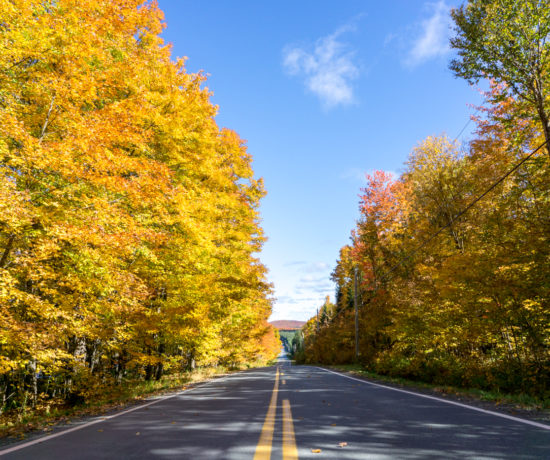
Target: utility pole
x,y
356,314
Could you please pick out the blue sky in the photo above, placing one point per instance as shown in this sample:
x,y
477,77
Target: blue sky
x,y
323,92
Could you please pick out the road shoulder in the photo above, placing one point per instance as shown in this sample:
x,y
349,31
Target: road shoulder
x,y
452,394
85,415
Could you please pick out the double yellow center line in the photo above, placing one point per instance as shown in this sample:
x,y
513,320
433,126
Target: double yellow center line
x,y
263,449
289,441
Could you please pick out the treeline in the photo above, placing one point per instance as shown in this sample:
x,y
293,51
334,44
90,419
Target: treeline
x,y
452,292
128,219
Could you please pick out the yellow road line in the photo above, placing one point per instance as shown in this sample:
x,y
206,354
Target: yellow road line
x,y
289,441
263,449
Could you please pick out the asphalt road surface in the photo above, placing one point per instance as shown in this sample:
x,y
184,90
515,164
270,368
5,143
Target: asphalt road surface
x,y
289,412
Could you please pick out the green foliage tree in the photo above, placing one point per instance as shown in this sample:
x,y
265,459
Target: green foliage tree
x,y
507,41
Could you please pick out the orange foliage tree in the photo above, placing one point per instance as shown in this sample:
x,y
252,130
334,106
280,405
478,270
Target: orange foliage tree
x,y
448,299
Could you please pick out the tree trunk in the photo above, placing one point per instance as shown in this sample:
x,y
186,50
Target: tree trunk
x,y
544,119
91,353
148,372
34,381
159,369
6,253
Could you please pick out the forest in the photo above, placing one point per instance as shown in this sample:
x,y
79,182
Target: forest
x,y
129,222
452,258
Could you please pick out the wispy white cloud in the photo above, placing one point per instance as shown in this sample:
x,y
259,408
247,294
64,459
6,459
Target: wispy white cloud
x,y
433,40
353,174
313,279
328,69
295,262
305,289
316,267
391,37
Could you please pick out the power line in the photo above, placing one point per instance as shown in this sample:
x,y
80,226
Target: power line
x,y
466,125
454,218
465,210
463,128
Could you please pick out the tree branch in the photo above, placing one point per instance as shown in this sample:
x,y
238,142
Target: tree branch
x,y
43,133
4,258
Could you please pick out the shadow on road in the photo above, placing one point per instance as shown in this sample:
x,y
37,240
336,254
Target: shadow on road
x,y
378,423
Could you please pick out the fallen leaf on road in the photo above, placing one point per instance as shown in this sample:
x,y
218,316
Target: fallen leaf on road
x,y
316,451
333,424
172,422
100,430
138,433
342,444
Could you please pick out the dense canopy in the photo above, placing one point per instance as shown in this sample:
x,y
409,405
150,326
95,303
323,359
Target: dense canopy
x,y
129,226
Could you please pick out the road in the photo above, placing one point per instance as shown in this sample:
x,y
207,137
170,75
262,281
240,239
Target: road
x,y
288,412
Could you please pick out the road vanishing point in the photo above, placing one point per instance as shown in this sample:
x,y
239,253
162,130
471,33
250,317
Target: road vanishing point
x,y
289,412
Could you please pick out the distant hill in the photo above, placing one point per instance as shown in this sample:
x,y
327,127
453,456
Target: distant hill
x,y
287,324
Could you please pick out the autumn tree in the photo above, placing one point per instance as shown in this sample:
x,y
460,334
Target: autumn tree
x,y
448,297
454,253
129,225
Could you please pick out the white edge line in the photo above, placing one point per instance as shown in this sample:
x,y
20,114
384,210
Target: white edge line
x,y
435,398
103,419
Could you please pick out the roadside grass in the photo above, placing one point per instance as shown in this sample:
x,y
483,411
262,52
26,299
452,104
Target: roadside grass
x,y
16,423
520,401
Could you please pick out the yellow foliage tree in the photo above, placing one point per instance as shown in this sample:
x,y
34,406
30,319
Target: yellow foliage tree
x,y
128,219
